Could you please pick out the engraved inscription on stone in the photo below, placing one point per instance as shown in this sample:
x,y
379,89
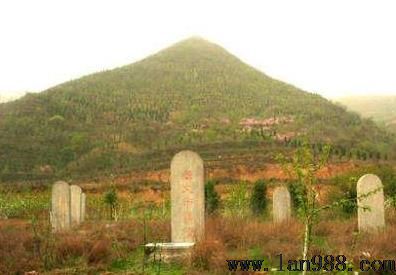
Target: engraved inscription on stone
x,y
281,204
60,206
83,205
187,197
370,195
75,204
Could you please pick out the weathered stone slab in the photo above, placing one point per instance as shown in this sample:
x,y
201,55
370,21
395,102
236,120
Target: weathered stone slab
x,y
75,204
60,206
370,195
83,205
169,252
187,197
281,204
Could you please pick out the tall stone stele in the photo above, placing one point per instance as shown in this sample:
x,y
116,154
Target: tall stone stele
x,y
60,207
187,197
75,204
370,195
83,205
281,204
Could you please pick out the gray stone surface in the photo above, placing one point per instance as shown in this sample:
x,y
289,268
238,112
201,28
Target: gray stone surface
x,y
75,204
83,205
187,197
60,206
371,195
281,205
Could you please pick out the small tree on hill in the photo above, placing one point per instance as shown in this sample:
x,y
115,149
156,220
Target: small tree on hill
x,y
111,200
304,165
211,198
238,201
258,199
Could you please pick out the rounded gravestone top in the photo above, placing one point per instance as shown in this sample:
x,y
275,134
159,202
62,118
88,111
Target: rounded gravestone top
x,y
184,156
281,189
367,181
370,194
75,188
60,183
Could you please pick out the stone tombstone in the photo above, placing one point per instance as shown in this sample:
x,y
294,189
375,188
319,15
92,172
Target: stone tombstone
x,y
60,206
281,204
187,197
370,194
83,203
75,204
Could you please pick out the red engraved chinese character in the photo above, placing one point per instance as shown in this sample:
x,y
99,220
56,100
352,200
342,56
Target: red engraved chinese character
x,y
186,187
188,202
188,216
187,175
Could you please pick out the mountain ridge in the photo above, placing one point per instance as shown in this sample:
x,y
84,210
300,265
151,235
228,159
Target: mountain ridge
x,y
193,94
381,108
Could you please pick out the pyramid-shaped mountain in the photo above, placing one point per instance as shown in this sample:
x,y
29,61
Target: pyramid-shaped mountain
x,y
193,94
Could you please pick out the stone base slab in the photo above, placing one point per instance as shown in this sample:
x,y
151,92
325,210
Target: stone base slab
x,y
169,252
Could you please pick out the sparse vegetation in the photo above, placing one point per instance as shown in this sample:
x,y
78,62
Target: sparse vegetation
x,y
110,198
238,200
258,199
98,247
303,166
212,199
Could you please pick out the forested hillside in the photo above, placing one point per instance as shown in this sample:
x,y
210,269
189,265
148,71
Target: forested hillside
x,y
191,95
381,109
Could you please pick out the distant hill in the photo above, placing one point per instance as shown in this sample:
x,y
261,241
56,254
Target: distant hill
x,y
193,94
381,109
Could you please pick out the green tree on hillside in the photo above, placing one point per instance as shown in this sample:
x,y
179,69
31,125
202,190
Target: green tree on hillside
x,y
258,199
212,199
304,166
110,198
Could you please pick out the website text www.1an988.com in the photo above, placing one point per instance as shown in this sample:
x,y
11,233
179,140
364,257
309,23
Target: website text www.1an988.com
x,y
317,263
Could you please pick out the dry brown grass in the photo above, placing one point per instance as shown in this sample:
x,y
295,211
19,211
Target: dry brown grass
x,y
209,255
232,238
100,252
16,251
343,239
69,246
94,246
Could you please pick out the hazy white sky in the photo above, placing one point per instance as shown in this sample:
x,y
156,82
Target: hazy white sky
x,y
334,47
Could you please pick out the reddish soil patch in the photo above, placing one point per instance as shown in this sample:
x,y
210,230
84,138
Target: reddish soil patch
x,y
144,186
239,172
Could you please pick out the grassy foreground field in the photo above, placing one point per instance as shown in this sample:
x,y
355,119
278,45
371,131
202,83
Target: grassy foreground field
x,y
104,246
